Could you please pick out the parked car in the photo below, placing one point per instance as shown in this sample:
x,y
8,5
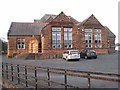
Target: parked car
x,y
88,54
71,54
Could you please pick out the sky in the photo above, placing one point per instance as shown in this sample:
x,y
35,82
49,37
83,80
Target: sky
x,y
106,11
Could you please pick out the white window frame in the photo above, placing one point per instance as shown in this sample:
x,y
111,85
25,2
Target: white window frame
x,y
56,45
97,37
88,38
108,43
88,45
21,44
68,30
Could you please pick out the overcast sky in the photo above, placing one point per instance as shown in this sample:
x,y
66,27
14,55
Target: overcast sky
x,y
106,11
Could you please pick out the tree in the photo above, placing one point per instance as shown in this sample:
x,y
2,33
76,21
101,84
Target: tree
x,y
3,46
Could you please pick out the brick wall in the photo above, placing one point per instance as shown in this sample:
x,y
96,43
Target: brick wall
x,y
12,45
78,37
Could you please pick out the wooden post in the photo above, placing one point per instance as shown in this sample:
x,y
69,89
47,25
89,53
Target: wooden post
x,y
12,71
26,76
7,70
18,74
89,86
48,73
65,73
2,70
36,78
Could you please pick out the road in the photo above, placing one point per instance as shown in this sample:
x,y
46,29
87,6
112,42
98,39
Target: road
x,y
104,63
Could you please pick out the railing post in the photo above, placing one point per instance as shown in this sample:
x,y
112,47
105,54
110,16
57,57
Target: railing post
x,y
48,73
36,78
12,71
26,76
65,73
18,74
7,70
2,70
89,85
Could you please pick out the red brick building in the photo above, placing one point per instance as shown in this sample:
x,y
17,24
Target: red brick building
x,y
56,33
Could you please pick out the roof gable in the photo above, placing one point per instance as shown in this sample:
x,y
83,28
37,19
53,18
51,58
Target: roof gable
x,y
91,22
61,18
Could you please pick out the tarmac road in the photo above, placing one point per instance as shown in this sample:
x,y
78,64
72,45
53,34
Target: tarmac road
x,y
104,63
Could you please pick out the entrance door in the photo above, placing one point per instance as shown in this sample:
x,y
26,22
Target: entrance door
x,y
39,47
33,48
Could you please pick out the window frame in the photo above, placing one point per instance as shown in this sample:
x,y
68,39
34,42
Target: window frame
x,y
97,38
88,38
21,44
67,37
55,44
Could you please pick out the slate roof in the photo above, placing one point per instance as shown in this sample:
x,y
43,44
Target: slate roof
x,y
91,21
45,18
17,28
110,34
48,16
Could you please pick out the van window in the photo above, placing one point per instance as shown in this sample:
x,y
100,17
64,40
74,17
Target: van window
x,y
91,51
73,52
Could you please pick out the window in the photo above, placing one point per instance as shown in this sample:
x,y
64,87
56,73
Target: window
x,y
56,37
108,43
97,38
67,37
88,45
20,43
88,38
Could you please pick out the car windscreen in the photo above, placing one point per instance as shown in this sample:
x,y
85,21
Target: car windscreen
x,y
73,52
91,51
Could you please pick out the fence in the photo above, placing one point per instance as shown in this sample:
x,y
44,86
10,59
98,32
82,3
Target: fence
x,y
41,77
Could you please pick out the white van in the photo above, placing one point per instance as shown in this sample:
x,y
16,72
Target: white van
x,y
71,54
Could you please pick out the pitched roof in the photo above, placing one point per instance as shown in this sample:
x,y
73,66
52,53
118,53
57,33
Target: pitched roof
x,y
17,28
91,21
46,17
110,34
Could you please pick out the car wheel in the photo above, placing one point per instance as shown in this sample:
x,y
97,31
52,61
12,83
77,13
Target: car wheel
x,y
95,57
86,57
66,58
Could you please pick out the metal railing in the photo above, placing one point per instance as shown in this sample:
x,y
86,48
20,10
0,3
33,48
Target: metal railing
x,y
34,76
